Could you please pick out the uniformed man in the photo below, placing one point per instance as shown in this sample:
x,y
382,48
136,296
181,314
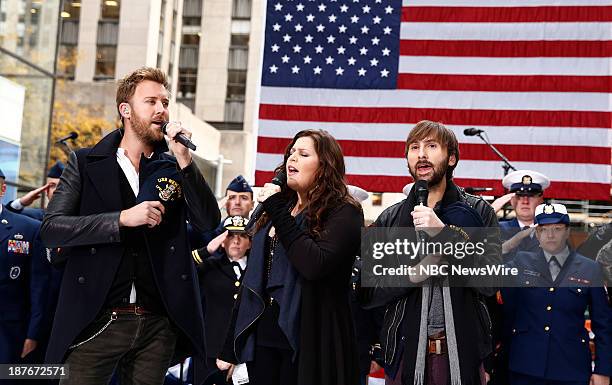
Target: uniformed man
x,y
24,279
548,343
528,188
20,206
220,278
238,202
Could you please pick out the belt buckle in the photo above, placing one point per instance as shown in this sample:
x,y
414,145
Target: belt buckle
x,y
139,310
438,346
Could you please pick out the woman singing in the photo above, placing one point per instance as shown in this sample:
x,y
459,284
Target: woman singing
x,y
292,322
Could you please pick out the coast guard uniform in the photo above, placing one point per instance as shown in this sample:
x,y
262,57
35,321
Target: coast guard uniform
x,y
545,316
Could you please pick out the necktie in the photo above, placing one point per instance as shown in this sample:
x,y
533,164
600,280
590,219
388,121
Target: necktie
x,y
237,269
554,267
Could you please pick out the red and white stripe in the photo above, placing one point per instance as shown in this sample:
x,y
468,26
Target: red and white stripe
x,y
537,78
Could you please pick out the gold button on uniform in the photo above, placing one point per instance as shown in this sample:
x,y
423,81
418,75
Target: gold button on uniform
x,y
579,290
549,308
551,289
547,328
582,340
237,283
235,296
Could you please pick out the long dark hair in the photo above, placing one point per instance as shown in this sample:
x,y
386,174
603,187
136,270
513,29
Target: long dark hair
x,y
329,187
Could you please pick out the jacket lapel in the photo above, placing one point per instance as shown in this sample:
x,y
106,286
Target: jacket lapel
x,y
103,170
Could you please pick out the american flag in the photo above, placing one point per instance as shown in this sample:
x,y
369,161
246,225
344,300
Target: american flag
x,y
534,75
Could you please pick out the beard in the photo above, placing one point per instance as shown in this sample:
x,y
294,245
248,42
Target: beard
x,y
144,132
439,172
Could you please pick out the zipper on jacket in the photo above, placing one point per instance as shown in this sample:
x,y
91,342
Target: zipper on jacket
x,y
252,322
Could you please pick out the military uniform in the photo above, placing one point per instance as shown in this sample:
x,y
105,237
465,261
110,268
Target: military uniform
x,y
546,339
522,183
220,280
24,281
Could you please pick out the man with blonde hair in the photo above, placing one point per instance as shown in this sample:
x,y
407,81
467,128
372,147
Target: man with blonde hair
x,y
120,212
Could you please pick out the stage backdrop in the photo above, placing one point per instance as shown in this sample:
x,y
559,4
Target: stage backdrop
x,y
536,78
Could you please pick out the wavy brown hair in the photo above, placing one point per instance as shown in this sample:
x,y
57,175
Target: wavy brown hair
x,y
329,187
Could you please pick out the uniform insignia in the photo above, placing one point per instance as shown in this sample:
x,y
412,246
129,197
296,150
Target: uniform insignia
x,y
169,189
18,236
579,280
18,247
15,271
549,209
237,221
526,179
531,273
4,222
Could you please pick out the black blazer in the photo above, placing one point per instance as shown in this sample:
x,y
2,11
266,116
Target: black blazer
x,y
83,217
219,289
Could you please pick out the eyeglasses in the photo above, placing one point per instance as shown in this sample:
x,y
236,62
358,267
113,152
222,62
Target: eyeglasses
x,y
551,229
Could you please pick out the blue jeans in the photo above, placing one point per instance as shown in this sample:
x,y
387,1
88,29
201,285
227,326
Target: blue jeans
x,y
138,347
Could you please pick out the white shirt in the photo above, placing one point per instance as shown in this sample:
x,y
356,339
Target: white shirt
x,y
243,264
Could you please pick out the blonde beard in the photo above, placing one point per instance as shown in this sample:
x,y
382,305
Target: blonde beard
x,y
143,131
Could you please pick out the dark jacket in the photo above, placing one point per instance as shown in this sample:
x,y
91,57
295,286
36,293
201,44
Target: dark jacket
x,y
510,228
83,217
402,319
323,327
32,212
219,288
545,320
24,282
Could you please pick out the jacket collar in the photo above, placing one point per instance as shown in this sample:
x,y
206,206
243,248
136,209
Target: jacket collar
x,y
451,195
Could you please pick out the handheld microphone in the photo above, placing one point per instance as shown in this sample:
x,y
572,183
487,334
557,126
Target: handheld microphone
x,y
421,190
181,138
73,135
280,179
472,131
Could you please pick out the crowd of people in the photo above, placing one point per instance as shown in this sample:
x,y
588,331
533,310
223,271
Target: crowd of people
x,y
130,275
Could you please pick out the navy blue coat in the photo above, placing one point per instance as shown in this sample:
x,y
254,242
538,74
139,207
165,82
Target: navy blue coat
x,y
32,212
545,321
24,280
508,229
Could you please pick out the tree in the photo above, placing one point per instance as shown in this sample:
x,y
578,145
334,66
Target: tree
x,y
71,116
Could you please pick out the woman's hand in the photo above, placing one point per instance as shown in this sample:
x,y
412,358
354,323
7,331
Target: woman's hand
x,y
267,191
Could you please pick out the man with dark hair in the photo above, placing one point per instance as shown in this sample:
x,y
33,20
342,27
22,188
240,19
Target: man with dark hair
x,y
528,188
20,206
436,334
238,201
121,210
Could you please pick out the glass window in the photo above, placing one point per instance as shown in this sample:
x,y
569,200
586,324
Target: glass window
x,y
192,8
110,9
187,83
67,60
105,62
241,9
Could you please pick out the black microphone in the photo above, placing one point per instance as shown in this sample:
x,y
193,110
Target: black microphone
x,y
472,131
421,190
181,138
280,179
73,135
